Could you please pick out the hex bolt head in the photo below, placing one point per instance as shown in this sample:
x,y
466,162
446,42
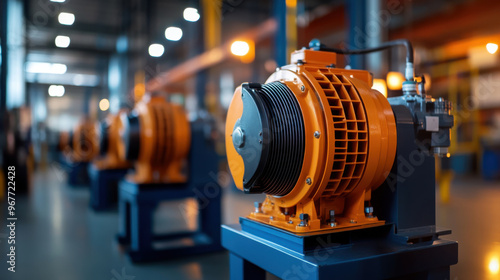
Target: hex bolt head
x,y
304,216
317,134
302,87
308,181
258,206
238,137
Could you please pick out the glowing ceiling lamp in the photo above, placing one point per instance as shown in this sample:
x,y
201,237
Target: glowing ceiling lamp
x,y
191,14
104,104
62,41
56,90
46,68
156,50
66,18
173,33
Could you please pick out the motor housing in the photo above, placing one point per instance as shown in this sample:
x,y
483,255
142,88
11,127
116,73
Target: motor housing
x,y
156,136
84,141
316,139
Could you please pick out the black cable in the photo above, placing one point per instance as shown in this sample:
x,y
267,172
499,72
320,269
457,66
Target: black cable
x,y
317,45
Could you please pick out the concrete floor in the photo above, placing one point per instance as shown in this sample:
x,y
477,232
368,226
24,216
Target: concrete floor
x,y
59,237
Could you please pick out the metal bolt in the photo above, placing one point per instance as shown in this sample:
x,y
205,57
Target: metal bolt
x,y
369,211
272,218
332,215
258,207
304,218
353,221
238,137
333,223
302,88
317,134
308,181
290,222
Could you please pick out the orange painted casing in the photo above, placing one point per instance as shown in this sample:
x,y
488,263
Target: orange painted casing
x,y
85,142
352,155
165,139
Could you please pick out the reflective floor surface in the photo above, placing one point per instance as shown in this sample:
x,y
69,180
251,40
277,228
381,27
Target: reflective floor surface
x,y
59,237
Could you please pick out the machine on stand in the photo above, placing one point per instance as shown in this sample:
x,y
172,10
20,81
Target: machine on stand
x,y
174,159
107,170
79,147
348,174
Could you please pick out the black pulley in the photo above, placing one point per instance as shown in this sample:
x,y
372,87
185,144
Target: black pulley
x,y
270,138
104,139
131,136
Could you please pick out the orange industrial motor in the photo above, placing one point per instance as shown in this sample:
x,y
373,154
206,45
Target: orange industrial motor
x,y
316,139
109,139
156,135
84,142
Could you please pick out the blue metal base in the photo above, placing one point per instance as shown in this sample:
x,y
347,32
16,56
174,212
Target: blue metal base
x,y
104,187
372,253
137,204
77,171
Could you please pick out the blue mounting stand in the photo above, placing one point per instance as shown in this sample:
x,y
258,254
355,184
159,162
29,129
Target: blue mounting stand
x,y
77,171
104,187
137,203
358,254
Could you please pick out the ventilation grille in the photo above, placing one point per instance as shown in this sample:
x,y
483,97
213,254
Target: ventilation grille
x,y
350,126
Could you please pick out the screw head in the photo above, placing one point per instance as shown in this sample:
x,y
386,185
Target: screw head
x,y
238,137
308,181
317,134
290,222
302,87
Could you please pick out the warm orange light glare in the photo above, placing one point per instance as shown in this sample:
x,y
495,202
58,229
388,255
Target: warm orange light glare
x,y
379,84
240,48
494,265
492,48
395,80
